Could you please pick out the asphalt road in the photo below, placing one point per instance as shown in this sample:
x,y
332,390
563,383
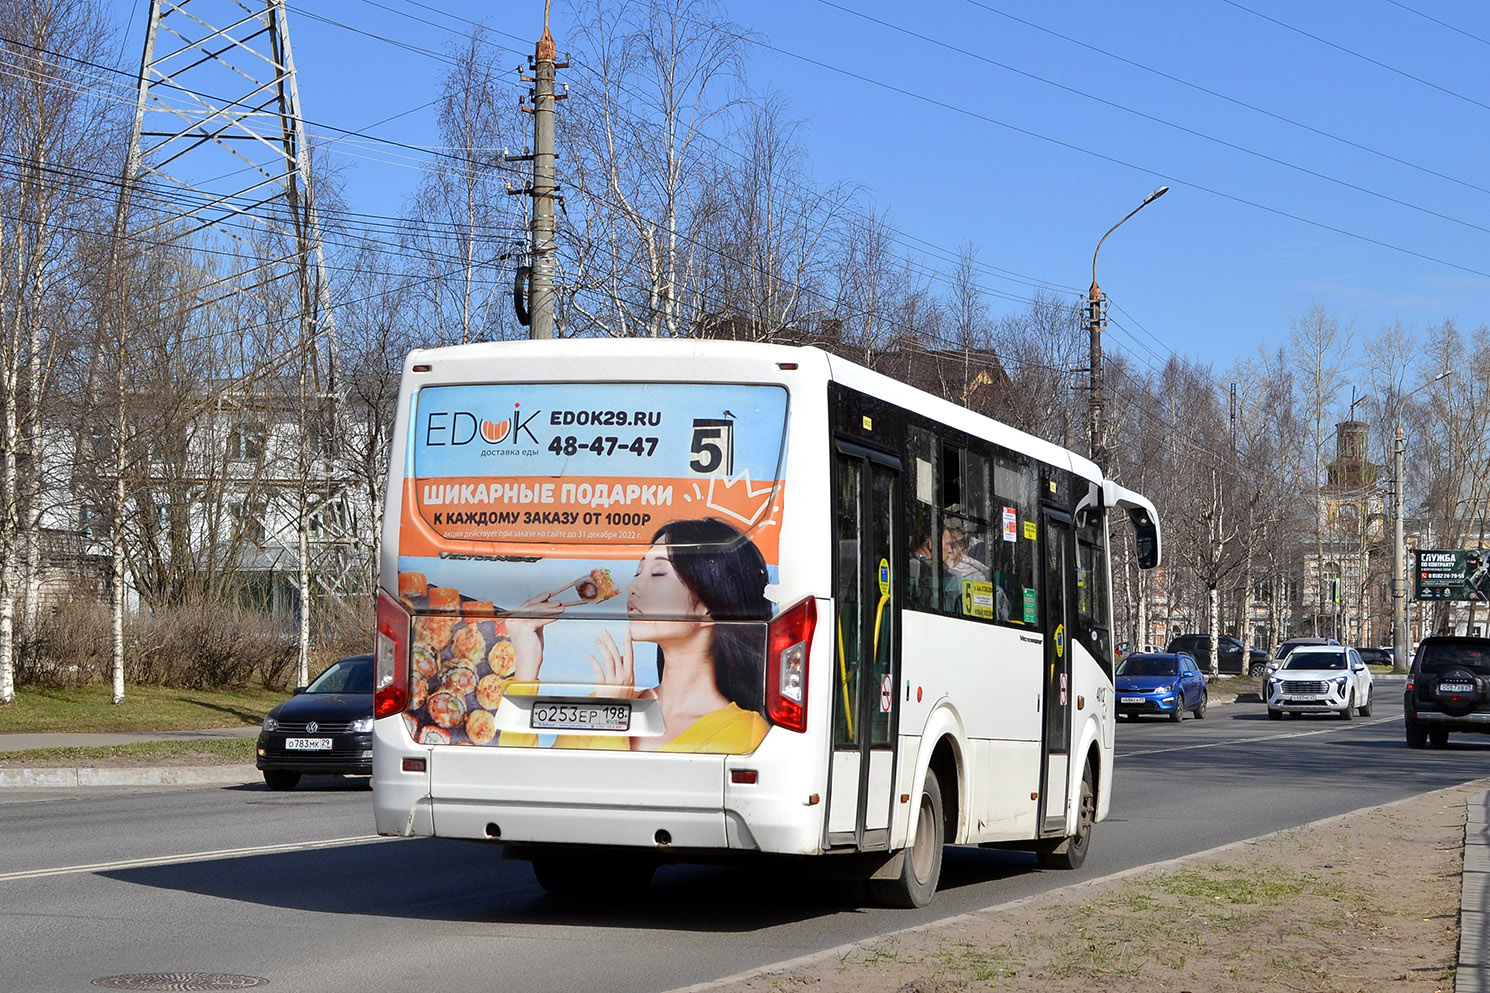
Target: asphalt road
x,y
292,887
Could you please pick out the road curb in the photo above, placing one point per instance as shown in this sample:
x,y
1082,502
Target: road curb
x,y
206,775
1473,972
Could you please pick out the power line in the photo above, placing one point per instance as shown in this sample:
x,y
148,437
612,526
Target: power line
x,y
1357,55
1380,153
1154,119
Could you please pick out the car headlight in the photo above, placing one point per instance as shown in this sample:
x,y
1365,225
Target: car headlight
x,y
1163,689
1340,681
362,725
270,724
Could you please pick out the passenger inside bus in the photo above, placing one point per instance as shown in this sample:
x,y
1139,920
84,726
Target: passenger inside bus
x,y
921,586
958,563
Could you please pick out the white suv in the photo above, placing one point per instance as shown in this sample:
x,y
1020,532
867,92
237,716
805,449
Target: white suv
x,y
1319,679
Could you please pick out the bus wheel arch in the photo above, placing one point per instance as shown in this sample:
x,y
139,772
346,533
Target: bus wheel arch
x,y
910,878
946,765
1071,851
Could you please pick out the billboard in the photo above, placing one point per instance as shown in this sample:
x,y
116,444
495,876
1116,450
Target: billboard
x,y
1453,575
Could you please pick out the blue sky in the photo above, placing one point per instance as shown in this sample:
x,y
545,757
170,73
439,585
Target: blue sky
x,y
1326,152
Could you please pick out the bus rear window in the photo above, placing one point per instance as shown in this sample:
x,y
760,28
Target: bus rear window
x,y
587,463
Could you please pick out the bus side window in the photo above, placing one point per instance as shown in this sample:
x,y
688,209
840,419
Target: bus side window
x,y
921,535
1093,624
1016,502
965,531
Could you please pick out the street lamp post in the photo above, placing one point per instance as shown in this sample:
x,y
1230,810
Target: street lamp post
x,y
1096,318
1399,548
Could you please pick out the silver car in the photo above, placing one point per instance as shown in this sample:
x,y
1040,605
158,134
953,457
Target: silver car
x,y
1319,679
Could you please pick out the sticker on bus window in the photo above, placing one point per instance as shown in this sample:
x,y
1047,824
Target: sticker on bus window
x,y
977,599
1030,606
1030,530
1011,524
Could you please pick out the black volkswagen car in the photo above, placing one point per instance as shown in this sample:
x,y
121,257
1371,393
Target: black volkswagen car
x,y
325,727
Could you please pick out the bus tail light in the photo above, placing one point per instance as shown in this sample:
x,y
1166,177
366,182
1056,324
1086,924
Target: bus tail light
x,y
786,665
390,658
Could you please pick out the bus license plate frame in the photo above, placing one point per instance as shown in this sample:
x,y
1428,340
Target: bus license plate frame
x,y
576,715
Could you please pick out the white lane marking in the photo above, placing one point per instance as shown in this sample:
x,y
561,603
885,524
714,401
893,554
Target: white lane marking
x,y
1343,726
225,853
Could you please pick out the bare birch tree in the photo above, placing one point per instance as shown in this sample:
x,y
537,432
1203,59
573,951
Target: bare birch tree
x,y
376,332
52,130
1320,347
1039,347
768,231
463,226
1452,452
652,78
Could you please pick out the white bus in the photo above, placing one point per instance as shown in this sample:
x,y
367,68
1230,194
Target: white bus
x,y
647,601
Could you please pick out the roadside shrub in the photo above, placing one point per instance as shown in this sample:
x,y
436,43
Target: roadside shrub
x,y
206,646
68,645
203,645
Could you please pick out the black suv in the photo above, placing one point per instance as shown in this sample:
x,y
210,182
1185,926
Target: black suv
x,y
1228,654
1448,689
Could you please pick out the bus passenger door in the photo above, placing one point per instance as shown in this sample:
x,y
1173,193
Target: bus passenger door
x,y
1055,739
866,518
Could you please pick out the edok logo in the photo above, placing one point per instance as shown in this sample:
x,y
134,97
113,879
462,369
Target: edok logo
x,y
462,427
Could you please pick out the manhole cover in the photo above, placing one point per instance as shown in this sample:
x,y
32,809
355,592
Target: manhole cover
x,y
196,982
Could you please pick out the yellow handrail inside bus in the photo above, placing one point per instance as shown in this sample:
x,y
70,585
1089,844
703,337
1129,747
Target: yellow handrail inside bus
x,y
848,712
879,613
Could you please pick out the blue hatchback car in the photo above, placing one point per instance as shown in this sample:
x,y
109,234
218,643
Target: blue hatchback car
x,y
1167,683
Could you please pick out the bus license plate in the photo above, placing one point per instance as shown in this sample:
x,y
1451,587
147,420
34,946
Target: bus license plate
x,y
308,744
581,716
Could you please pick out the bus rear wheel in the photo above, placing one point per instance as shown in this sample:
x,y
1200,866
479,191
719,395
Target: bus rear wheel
x,y
1071,852
921,863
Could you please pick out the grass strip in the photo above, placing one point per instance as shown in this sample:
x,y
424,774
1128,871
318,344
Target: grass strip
x,y
145,708
199,751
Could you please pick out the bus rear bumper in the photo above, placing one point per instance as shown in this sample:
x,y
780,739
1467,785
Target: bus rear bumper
x,y
611,799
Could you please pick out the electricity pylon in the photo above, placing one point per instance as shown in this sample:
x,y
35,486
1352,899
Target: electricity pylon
x,y
218,156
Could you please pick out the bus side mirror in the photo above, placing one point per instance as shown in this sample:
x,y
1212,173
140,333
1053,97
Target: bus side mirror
x,y
1145,537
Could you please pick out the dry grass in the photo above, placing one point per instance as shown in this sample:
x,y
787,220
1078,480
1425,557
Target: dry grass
x,y
1359,904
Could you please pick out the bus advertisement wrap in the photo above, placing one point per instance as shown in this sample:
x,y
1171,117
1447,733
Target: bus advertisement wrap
x,y
641,515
